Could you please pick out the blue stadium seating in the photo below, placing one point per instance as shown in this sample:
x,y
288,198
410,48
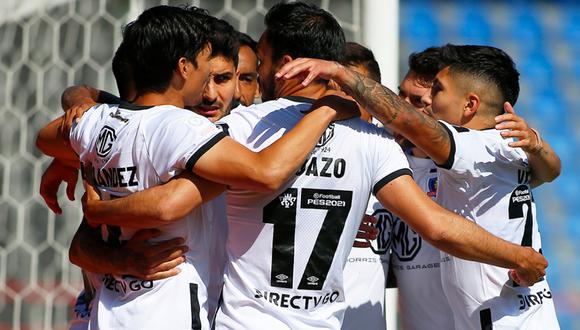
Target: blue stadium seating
x,y
546,50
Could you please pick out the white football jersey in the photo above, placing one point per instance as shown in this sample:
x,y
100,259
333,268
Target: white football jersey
x,y
128,148
365,275
487,182
218,254
287,249
416,264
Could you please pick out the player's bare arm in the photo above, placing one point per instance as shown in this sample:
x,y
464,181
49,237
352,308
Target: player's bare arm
x,y
56,173
138,257
269,169
151,207
75,95
456,235
385,105
544,162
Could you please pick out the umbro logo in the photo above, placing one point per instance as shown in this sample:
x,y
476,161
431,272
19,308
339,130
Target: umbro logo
x,y
287,200
282,278
105,141
312,280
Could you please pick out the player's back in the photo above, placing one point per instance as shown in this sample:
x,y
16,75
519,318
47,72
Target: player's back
x,y
287,249
124,149
487,181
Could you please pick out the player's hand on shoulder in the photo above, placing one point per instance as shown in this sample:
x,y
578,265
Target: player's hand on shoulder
x,y
309,69
73,115
344,106
367,232
55,174
514,126
150,261
532,267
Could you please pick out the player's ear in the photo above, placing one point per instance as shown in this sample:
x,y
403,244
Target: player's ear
x,y
183,68
285,59
472,103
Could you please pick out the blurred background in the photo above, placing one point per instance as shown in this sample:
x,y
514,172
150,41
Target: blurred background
x,y
47,45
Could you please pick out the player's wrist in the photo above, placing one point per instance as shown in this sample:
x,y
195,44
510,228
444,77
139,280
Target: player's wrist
x,y
539,145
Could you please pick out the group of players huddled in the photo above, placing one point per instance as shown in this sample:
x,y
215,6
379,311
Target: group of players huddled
x,y
235,215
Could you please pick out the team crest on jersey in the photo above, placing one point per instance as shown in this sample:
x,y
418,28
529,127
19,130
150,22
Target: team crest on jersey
x,y
287,200
432,186
328,134
105,141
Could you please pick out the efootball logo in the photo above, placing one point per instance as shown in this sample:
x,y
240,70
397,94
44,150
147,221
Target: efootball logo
x,y
328,134
105,141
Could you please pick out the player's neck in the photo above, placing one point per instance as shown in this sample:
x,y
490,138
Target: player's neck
x,y
479,123
314,90
169,97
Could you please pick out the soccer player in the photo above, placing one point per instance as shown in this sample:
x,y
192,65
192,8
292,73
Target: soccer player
x,y
247,90
219,92
133,146
481,175
366,268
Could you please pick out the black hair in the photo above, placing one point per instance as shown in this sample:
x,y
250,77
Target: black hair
x,y
224,40
428,63
303,30
156,41
123,72
246,40
357,54
488,64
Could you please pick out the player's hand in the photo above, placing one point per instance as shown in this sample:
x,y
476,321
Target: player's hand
x,y
367,232
309,69
151,261
343,105
89,199
55,174
512,125
73,115
532,267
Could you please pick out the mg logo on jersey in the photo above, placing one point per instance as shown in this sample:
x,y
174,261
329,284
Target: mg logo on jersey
x,y
328,134
105,141
282,278
406,242
384,224
312,280
287,200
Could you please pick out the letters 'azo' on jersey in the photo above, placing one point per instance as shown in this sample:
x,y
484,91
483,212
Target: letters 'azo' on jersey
x,y
124,149
287,250
487,181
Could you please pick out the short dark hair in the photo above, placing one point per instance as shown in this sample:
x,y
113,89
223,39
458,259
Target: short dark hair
x,y
304,30
224,40
246,40
123,72
157,39
357,54
426,64
485,63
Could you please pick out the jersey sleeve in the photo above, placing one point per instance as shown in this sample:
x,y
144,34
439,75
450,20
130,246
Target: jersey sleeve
x,y
237,125
469,148
390,161
178,142
81,133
